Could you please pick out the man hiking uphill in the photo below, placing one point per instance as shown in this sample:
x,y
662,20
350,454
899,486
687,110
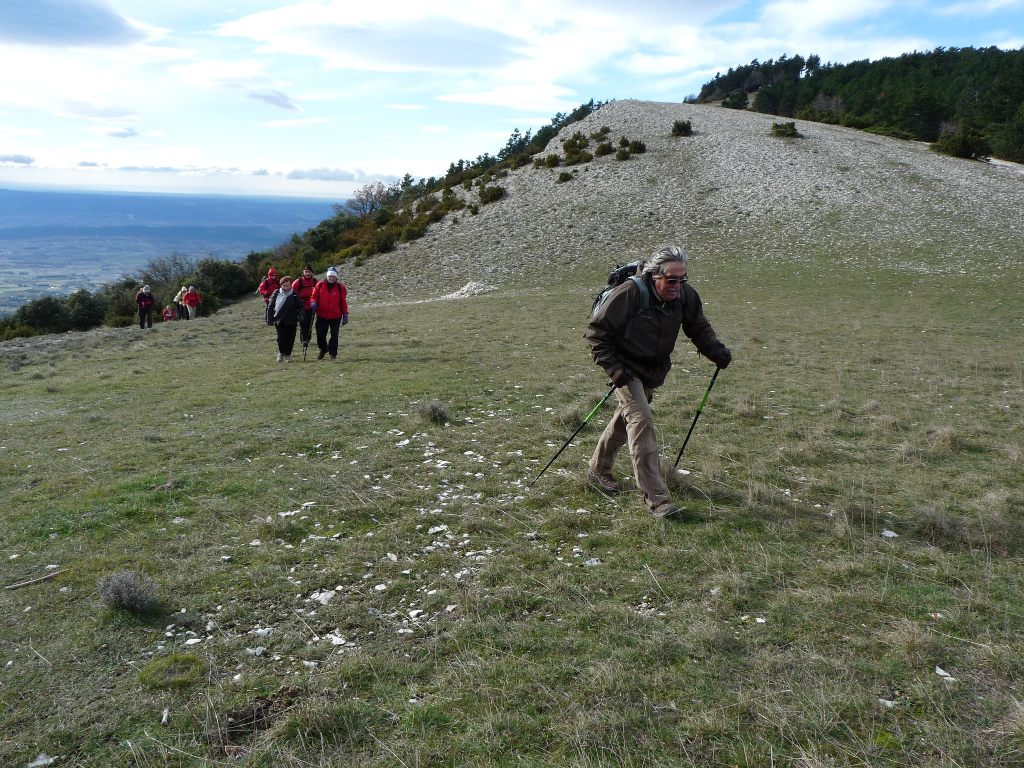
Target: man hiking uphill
x,y
632,337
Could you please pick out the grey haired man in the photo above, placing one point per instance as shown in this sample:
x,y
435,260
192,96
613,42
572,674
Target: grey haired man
x,y
632,340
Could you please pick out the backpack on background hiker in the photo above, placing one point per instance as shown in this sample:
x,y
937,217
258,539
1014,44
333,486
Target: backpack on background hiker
x,y
617,277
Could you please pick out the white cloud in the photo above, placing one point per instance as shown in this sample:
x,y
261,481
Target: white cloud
x,y
434,129
297,123
979,7
405,107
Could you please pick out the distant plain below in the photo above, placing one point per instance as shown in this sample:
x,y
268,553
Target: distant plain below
x,y
55,242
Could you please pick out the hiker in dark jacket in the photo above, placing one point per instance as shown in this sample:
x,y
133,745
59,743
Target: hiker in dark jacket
x,y
632,340
303,287
283,308
145,299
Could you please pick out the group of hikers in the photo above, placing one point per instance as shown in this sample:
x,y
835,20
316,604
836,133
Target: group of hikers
x,y
293,304
183,306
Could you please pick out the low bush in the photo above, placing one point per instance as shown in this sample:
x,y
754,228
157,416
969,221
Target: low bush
x,y
785,130
637,147
968,143
682,128
491,194
128,591
604,148
564,176
622,154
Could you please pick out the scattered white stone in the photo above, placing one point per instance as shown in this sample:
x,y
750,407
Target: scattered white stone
x,y
323,596
437,529
592,562
310,664
887,703
887,534
259,650
944,675
193,641
759,620
263,631
41,761
336,639
255,543
380,587
237,678
415,613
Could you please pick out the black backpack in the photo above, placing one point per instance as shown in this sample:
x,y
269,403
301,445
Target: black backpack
x,y
617,277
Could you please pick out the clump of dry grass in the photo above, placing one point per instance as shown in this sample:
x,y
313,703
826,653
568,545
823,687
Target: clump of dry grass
x,y
942,441
435,412
128,591
746,407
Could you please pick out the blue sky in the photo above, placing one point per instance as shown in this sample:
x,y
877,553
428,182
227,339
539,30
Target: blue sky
x,y
318,97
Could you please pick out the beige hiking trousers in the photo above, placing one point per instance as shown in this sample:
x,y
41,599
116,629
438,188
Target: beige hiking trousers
x,y
633,424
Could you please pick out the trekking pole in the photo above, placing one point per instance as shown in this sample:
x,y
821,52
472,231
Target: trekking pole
x,y
586,419
700,408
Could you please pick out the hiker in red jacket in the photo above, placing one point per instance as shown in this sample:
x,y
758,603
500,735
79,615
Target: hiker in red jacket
x,y
303,288
269,284
145,300
328,301
192,301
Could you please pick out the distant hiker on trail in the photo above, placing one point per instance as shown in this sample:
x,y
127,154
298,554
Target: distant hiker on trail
x,y
283,310
145,300
192,300
303,287
268,285
633,339
331,307
168,313
179,303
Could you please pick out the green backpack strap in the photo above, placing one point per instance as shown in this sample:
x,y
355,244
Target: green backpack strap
x,y
645,292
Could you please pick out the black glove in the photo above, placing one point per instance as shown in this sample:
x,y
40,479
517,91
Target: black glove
x,y
622,377
721,357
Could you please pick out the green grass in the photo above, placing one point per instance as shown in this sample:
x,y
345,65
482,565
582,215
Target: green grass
x,y
467,627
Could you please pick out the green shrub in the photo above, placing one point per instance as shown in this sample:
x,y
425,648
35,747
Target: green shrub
x,y
474,209
785,130
414,230
552,161
435,412
968,143
736,100
225,279
623,142
577,157
564,176
85,310
384,242
491,194
48,315
622,154
604,148
888,130
637,147
682,128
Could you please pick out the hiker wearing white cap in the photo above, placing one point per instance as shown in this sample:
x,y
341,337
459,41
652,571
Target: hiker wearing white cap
x,y
145,299
329,303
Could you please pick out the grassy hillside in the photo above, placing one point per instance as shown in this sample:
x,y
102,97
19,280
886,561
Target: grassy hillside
x,y
346,582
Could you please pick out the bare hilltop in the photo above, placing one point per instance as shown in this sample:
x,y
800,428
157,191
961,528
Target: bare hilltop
x,y
731,189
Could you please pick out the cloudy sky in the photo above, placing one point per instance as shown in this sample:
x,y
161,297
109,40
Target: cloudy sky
x,y
317,97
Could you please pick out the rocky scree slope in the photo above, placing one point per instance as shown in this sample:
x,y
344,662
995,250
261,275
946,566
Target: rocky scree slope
x,y
731,189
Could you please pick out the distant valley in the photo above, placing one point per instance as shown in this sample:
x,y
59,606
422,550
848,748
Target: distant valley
x,y
55,242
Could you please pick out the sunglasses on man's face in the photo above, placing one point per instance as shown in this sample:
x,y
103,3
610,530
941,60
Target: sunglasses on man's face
x,y
674,280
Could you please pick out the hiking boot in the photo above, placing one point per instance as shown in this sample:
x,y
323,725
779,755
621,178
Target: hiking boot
x,y
320,356
334,357
603,482
280,357
287,358
666,511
